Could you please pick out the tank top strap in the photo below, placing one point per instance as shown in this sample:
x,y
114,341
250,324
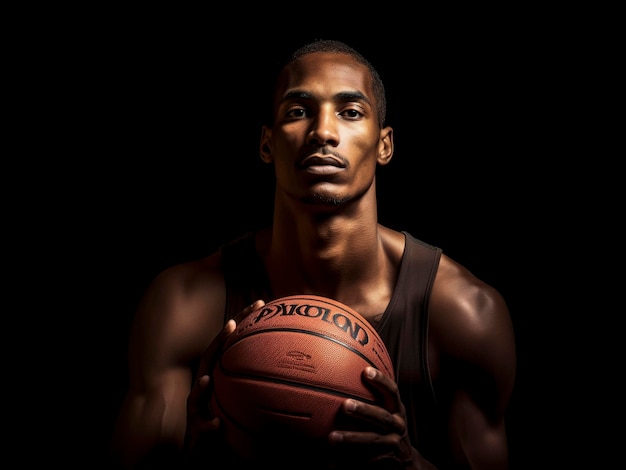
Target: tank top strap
x,y
244,274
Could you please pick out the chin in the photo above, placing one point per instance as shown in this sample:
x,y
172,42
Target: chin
x,y
324,200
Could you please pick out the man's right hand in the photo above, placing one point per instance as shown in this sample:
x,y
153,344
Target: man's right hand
x,y
201,422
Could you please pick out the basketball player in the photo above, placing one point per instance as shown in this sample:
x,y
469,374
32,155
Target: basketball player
x,y
449,334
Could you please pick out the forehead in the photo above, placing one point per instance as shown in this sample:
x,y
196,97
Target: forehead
x,y
327,72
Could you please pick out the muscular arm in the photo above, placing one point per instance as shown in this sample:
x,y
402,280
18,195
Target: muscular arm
x,y
473,347
181,311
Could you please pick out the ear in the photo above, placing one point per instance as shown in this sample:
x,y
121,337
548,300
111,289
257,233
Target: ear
x,y
385,146
265,146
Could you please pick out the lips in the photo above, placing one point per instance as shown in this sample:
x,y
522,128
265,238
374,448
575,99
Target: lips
x,y
316,160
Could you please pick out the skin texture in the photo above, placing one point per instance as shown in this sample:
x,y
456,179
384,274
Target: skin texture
x,y
325,144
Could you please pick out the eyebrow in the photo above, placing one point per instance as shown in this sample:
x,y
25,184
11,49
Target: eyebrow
x,y
343,96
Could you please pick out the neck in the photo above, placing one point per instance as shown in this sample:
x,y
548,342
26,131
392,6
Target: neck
x,y
337,255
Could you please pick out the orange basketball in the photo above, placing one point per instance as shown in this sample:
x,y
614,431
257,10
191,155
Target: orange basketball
x,y
286,369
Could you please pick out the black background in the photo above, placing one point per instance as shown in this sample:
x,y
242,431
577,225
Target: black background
x,y
154,150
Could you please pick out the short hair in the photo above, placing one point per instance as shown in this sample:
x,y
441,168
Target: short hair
x,y
339,47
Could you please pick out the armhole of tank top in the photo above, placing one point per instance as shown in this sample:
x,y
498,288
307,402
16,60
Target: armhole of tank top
x,y
231,253
425,324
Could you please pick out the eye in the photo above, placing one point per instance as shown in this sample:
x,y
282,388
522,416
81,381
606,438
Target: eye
x,y
295,113
351,114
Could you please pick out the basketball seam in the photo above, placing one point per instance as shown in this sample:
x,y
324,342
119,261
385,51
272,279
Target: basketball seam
x,y
311,333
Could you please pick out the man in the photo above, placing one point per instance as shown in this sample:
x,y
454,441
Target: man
x,y
449,334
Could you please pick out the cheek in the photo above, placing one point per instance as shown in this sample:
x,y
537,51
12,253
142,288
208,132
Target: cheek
x,y
365,170
365,147
292,132
366,164
286,145
365,138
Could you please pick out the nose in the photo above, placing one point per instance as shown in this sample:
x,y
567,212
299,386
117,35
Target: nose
x,y
323,129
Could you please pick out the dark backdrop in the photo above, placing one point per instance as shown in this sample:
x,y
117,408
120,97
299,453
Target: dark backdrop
x,y
164,140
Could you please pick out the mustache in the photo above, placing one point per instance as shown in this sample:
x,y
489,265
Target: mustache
x,y
324,153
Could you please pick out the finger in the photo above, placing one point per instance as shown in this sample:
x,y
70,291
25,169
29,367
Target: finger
x,y
380,419
248,310
209,356
365,438
363,446
199,388
387,387
197,393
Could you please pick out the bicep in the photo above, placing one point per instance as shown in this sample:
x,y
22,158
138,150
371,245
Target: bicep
x,y
153,416
477,438
473,332
482,386
152,421
170,330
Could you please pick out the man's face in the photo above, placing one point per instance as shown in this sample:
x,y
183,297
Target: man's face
x,y
326,140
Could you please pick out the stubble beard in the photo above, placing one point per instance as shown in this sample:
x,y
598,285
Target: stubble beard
x,y
321,200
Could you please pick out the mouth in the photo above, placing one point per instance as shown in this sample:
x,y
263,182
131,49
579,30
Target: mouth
x,y
318,161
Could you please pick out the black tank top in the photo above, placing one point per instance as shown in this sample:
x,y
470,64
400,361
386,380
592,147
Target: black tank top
x,y
403,327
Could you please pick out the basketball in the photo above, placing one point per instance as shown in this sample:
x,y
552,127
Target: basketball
x,y
286,369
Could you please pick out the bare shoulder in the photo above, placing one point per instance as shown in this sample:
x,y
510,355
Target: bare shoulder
x,y
189,277
470,320
182,308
